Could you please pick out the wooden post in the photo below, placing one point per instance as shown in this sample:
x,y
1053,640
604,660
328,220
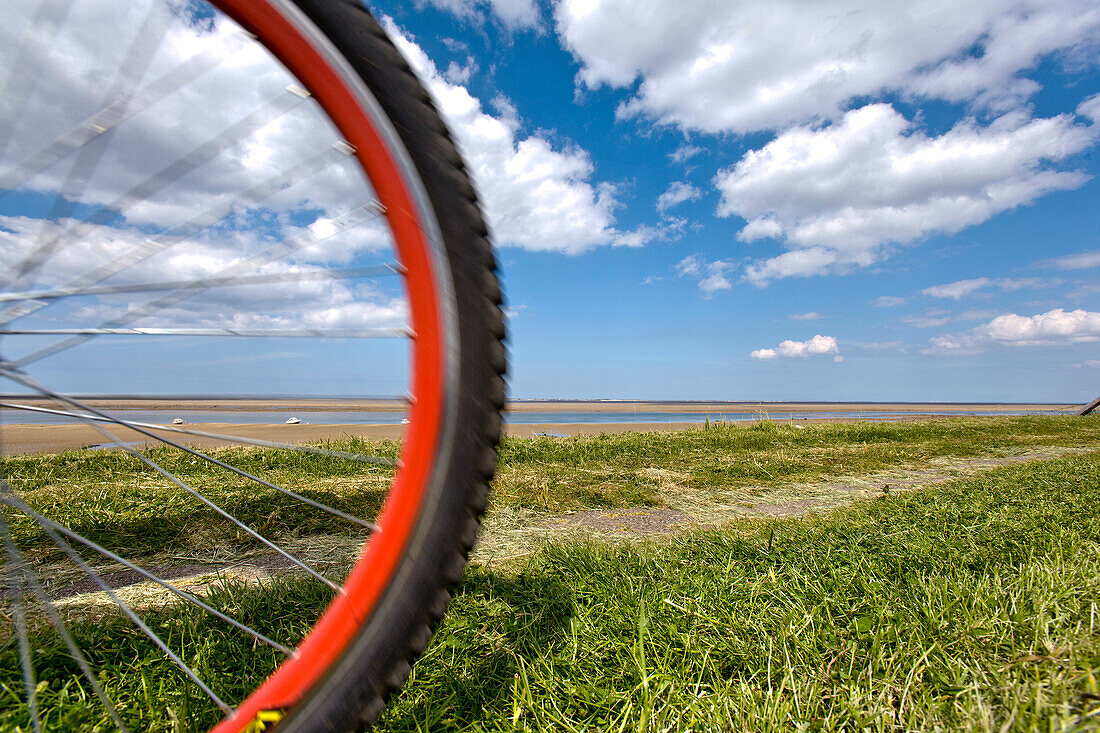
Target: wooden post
x,y
1090,407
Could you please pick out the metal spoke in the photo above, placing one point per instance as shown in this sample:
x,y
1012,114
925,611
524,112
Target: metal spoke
x,y
104,417
197,157
24,73
341,333
279,250
221,397
344,273
106,588
194,225
141,51
18,558
67,227
13,501
114,114
15,580
361,457
28,382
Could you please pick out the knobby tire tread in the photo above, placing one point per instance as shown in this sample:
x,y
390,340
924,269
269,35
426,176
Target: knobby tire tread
x,y
354,692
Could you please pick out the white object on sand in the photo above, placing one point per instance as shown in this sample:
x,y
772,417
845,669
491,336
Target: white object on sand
x,y
292,421
178,421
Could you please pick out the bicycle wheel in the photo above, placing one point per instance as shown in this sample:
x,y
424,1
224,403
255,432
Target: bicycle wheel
x,y
380,617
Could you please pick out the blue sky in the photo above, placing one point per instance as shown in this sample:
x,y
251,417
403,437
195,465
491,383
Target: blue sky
x,y
853,201
849,200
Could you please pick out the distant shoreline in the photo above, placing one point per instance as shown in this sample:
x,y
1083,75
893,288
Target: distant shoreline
x,y
39,439
544,405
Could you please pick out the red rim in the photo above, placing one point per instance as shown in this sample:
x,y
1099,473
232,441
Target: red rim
x,y
371,575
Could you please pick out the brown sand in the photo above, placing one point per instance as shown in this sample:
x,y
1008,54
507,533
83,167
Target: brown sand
x,y
31,439
594,406
22,439
229,405
774,409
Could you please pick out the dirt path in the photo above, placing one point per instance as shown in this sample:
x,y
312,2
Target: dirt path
x,y
509,534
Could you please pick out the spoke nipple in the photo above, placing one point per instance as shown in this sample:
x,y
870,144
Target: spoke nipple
x,y
298,91
344,147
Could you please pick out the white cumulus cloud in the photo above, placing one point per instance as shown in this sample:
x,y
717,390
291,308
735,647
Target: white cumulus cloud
x,y
514,14
716,279
712,275
535,196
689,265
315,303
678,192
840,195
817,346
176,172
740,67
1056,326
684,153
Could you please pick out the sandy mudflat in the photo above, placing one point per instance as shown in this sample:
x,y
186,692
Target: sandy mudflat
x,y
770,408
20,439
229,405
594,406
23,439
26,439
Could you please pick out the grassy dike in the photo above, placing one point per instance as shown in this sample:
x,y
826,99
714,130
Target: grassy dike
x,y
971,605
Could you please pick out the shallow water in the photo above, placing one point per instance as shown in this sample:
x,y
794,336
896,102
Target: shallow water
x,y
274,417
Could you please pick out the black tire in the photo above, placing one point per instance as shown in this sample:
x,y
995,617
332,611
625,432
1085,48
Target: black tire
x,y
360,652
354,691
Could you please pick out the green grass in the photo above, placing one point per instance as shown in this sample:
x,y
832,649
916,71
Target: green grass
x,y
113,499
971,605
550,474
